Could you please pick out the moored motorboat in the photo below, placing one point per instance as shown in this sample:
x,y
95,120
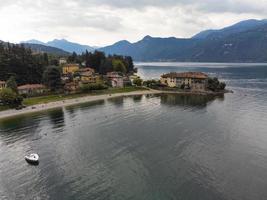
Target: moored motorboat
x,y
32,158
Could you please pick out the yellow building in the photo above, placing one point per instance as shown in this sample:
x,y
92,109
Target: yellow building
x,y
88,75
70,69
90,79
190,80
2,85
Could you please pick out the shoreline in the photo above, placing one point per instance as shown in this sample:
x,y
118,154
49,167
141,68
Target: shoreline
x,y
87,99
70,102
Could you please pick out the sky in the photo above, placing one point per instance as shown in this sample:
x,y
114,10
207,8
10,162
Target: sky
x,y
104,22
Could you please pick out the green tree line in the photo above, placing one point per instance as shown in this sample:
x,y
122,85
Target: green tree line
x,y
102,63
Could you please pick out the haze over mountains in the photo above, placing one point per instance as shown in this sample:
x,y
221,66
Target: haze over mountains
x,y
63,44
245,41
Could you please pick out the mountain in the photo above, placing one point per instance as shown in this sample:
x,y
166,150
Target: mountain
x,y
69,46
64,45
243,42
39,48
152,49
33,41
236,28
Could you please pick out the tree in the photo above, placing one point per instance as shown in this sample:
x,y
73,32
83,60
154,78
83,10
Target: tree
x,y
118,66
12,84
52,78
129,63
73,57
215,85
16,60
138,81
46,60
106,66
9,97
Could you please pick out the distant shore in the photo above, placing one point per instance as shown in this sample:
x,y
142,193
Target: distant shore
x,y
92,98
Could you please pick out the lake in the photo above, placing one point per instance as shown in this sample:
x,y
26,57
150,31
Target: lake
x,y
146,147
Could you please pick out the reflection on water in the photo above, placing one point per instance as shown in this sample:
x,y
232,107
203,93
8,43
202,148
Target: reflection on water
x,y
56,117
143,147
188,100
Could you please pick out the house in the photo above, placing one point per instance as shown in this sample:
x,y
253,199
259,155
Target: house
x,y
2,85
32,89
62,61
186,80
115,79
71,86
88,75
70,69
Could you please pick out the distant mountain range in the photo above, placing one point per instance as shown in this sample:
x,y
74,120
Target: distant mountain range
x,y
63,44
245,41
39,48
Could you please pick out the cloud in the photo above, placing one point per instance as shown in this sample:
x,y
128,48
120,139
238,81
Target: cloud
x,y
101,22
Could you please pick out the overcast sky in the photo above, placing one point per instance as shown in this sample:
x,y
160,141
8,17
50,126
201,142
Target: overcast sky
x,y
102,22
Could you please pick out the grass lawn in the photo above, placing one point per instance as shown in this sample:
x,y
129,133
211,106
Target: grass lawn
x,y
3,108
52,98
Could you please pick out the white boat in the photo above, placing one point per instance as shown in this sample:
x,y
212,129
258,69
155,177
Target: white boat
x,y
32,158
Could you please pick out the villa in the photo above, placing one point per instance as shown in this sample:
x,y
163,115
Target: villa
x,y
115,79
2,85
62,61
186,80
88,75
32,89
70,69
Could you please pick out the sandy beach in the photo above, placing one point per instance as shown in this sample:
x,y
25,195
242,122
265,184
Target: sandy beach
x,y
69,102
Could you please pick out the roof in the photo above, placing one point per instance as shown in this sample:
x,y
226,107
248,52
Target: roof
x,y
71,65
114,75
31,86
87,69
197,75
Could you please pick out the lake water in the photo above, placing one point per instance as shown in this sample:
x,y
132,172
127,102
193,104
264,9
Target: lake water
x,y
146,147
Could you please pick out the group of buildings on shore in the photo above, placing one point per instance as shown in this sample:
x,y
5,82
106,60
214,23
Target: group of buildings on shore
x,y
73,76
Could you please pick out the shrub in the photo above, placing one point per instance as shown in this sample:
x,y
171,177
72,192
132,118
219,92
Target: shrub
x,y
92,86
9,97
215,85
138,81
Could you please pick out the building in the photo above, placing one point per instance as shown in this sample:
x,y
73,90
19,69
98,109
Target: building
x,y
32,89
62,61
115,79
186,80
88,75
2,85
70,69
71,87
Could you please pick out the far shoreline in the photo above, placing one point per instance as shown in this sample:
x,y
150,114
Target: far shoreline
x,y
94,98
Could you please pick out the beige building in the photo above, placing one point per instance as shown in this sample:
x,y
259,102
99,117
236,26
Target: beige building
x,y
116,80
62,61
32,89
88,75
2,85
186,80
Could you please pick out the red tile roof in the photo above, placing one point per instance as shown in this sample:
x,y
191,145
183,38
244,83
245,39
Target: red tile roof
x,y
197,75
31,86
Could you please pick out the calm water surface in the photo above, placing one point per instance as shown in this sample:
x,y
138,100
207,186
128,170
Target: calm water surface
x,y
146,147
